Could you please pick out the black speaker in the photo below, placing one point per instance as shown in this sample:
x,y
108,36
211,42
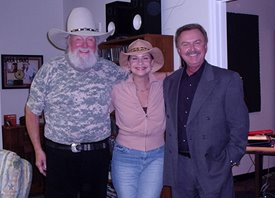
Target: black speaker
x,y
243,55
146,16
118,17
130,19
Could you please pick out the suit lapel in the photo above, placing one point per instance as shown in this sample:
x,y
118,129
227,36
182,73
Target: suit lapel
x,y
172,95
205,87
175,85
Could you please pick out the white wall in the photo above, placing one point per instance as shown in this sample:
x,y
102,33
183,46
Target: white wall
x,y
24,25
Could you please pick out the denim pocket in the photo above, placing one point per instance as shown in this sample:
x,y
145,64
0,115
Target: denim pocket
x,y
119,148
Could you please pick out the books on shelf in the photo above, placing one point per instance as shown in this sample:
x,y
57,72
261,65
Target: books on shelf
x,y
112,54
261,139
261,132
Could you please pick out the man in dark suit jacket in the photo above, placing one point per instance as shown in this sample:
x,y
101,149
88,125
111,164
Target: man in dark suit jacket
x,y
207,122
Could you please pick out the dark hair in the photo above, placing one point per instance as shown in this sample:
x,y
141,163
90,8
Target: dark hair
x,y
190,26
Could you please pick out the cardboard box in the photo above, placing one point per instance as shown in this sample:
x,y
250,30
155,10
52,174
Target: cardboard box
x,y
10,120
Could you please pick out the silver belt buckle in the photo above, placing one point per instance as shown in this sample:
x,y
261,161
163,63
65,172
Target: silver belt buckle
x,y
74,148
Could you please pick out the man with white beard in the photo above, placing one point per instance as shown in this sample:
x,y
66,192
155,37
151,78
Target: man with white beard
x,y
73,92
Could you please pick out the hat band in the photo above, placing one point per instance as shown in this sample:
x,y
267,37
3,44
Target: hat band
x,y
138,49
83,29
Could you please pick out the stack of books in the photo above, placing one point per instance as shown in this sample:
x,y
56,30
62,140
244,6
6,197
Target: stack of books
x,y
261,138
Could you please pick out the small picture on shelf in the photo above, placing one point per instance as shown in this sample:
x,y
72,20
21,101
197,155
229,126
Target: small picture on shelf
x,y
10,120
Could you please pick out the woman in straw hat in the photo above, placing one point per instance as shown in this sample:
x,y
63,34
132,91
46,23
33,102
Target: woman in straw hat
x,y
137,163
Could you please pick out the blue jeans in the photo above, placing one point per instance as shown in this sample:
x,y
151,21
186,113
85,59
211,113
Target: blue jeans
x,y
137,174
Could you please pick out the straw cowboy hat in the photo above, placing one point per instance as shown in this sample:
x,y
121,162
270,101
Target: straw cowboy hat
x,y
80,22
140,46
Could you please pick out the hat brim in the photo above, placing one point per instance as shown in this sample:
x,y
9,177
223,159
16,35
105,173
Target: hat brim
x,y
155,52
59,37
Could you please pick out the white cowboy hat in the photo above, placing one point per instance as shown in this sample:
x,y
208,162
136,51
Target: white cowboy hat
x,y
80,22
140,46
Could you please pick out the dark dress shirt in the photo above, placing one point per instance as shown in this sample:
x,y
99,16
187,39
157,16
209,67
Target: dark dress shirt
x,y
188,86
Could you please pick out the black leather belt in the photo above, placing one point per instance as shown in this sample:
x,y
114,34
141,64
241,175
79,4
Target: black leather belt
x,y
78,147
185,154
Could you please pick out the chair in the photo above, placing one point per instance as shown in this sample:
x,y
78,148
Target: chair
x,y
15,175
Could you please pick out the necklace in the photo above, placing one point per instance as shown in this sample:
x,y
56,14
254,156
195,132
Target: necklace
x,y
144,82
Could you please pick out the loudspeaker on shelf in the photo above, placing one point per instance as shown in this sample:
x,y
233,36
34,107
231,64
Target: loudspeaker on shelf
x,y
146,16
137,17
118,17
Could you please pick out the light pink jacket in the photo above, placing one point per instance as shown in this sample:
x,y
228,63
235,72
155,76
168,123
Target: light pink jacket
x,y
137,129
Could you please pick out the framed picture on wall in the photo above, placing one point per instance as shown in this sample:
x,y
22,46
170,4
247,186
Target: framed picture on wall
x,y
18,71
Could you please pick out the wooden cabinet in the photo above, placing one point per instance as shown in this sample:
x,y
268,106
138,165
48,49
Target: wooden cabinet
x,y
166,192
111,49
16,139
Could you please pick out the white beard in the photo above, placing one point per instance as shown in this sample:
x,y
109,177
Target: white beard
x,y
80,63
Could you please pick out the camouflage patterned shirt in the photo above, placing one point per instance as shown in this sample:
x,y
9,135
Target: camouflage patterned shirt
x,y
75,104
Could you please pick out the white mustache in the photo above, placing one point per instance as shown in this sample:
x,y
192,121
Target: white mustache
x,y
83,50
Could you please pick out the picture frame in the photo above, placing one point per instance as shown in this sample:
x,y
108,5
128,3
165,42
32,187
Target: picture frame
x,y
18,71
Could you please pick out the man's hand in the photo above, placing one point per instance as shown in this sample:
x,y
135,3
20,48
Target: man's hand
x,y
40,162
